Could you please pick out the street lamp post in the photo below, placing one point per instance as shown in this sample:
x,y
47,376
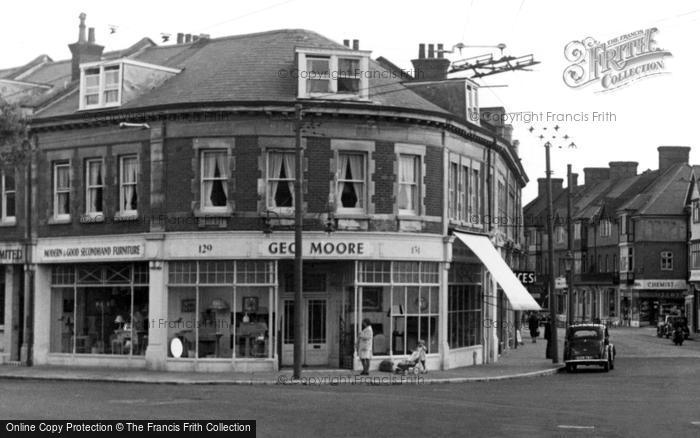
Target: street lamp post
x,y
552,348
570,261
298,249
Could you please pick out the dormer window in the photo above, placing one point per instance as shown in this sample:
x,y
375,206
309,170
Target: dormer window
x,y
340,74
101,86
106,84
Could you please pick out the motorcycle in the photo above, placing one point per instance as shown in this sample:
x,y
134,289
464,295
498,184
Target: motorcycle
x,y
678,336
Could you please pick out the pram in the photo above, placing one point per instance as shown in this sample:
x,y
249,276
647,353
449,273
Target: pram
x,y
415,363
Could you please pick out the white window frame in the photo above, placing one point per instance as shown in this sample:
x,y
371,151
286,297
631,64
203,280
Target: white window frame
x,y
363,181
122,211
101,89
418,172
666,260
89,187
5,219
202,179
61,216
269,196
333,56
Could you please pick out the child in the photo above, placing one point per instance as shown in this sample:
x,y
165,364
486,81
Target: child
x,y
416,360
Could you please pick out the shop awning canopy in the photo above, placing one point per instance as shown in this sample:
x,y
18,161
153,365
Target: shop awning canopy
x,y
519,297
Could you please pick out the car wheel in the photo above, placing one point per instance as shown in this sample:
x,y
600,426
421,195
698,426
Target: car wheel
x,y
570,368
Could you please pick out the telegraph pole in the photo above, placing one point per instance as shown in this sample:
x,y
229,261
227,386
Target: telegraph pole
x,y
298,250
552,342
570,252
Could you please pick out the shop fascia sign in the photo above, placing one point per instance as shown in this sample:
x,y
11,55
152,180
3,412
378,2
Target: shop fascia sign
x,y
319,248
660,284
11,253
91,252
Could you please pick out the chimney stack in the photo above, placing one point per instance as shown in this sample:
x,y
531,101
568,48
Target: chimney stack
x,y
440,49
346,43
84,50
180,37
430,68
188,38
574,179
557,187
670,155
355,44
622,169
594,175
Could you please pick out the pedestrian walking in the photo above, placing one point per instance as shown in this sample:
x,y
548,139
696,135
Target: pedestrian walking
x,y
534,326
364,349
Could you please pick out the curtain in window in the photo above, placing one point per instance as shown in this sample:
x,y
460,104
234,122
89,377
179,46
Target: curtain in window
x,y
275,168
351,191
95,191
289,162
129,196
215,179
407,176
342,177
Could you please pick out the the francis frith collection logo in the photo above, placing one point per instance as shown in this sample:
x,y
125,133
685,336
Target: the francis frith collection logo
x,y
614,63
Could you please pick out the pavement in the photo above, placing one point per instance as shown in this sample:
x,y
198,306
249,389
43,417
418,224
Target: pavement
x,y
528,360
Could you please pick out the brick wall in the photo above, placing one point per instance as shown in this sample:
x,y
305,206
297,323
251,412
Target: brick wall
x,y
247,173
318,174
384,177
433,181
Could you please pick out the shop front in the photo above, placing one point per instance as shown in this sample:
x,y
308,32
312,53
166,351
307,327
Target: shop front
x,y
92,302
649,300
11,300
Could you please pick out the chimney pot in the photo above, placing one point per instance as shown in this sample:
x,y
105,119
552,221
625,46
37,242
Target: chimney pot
x,y
346,43
81,27
91,35
355,44
421,51
431,50
180,37
440,50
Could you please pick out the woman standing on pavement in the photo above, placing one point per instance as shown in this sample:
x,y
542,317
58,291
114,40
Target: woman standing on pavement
x,y
534,326
364,348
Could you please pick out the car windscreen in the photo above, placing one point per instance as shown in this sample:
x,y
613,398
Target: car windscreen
x,y
585,333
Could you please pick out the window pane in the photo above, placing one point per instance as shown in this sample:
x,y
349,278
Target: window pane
x,y
252,322
214,322
9,205
111,96
182,319
317,67
62,320
9,180
348,85
317,322
318,85
111,76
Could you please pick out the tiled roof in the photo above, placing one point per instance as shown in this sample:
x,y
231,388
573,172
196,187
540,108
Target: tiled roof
x,y
251,67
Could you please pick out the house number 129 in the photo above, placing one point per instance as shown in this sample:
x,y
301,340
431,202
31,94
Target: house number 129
x,y
205,248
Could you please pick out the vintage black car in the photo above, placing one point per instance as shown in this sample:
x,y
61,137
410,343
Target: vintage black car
x,y
588,344
665,328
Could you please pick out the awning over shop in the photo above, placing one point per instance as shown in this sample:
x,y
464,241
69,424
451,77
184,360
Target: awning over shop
x,y
519,297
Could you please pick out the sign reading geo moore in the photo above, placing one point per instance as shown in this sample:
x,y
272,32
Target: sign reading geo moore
x,y
614,63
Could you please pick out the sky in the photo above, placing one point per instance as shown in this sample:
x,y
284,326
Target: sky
x,y
634,120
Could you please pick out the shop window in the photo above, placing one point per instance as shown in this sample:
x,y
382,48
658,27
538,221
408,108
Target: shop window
x,y
280,181
128,185
214,185
103,311
61,191
666,261
375,272
7,207
94,187
221,309
464,306
409,184
351,189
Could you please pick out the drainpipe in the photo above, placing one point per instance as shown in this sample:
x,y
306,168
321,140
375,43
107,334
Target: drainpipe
x,y
28,330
